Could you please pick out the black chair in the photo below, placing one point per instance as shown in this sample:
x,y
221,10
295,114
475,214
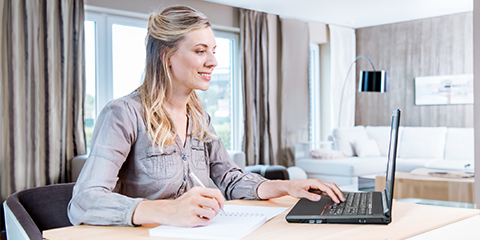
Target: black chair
x,y
37,209
272,172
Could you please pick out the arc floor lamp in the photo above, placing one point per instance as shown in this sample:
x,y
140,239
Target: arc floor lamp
x,y
369,81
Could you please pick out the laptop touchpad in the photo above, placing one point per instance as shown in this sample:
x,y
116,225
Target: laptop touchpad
x,y
308,207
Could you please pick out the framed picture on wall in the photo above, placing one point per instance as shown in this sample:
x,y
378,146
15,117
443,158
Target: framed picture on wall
x,y
441,90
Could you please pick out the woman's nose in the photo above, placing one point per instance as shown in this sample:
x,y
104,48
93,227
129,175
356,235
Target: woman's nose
x,y
211,60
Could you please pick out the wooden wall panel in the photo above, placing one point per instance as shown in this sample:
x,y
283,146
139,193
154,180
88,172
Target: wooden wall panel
x,y
428,47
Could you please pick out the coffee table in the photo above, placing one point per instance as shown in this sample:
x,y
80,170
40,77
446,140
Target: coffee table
x,y
408,185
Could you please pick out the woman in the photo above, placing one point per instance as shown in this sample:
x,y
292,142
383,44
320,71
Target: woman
x,y
146,144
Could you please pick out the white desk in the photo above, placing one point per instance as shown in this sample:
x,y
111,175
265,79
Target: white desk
x,y
465,229
408,220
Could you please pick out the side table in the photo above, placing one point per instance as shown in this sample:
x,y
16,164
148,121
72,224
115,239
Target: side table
x,y
408,185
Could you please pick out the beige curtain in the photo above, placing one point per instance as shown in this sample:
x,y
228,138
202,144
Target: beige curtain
x,y
259,53
41,91
294,90
342,52
275,86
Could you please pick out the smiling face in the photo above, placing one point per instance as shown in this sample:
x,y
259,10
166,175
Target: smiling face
x,y
193,62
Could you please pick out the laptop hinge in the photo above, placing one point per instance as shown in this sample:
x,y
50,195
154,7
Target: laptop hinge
x,y
384,201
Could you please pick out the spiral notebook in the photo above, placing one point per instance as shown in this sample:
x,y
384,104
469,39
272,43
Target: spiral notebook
x,y
237,222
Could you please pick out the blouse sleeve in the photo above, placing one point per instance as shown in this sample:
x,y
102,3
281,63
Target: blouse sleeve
x,y
229,178
93,200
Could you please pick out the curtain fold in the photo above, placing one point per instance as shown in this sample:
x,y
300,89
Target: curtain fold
x,y
275,86
258,54
42,92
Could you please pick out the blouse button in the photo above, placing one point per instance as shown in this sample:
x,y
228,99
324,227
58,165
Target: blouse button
x,y
184,158
185,178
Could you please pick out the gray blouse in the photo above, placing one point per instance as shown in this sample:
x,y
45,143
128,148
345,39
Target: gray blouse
x,y
123,168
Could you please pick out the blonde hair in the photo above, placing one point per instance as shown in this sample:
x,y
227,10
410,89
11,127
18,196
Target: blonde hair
x,y
165,31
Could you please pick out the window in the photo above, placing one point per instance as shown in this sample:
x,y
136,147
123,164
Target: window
x,y
128,58
115,61
221,100
90,112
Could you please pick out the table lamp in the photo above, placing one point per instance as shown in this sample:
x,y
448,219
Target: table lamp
x,y
369,81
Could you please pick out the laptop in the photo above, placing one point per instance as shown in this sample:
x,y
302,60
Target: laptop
x,y
359,207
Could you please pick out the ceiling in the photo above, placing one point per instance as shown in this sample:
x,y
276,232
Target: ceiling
x,y
354,13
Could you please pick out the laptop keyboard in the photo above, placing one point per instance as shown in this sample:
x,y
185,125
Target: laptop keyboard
x,y
356,203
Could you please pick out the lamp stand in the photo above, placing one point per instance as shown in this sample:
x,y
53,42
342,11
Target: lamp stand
x,y
345,83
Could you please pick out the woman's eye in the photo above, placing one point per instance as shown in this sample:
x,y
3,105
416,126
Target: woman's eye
x,y
200,51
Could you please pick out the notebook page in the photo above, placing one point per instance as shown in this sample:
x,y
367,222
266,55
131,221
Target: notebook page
x,y
238,222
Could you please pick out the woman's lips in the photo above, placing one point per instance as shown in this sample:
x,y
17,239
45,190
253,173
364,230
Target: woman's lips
x,y
206,76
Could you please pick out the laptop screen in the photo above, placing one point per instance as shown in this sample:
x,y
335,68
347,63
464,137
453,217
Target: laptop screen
x,y
392,154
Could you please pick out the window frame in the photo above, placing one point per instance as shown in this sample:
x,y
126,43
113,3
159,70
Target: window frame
x,y
104,52
236,118
314,133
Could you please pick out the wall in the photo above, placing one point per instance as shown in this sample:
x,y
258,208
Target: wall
x,y
427,47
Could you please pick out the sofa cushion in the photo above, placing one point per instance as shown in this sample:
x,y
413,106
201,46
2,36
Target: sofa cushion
x,y
367,148
459,144
350,166
422,142
344,137
381,135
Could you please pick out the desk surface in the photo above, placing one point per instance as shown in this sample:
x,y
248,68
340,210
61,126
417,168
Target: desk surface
x,y
407,220
464,229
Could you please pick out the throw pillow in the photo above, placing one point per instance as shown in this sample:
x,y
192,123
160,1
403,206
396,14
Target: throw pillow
x,y
323,153
368,148
345,137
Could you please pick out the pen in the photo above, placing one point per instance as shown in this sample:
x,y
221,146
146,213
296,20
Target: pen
x,y
197,181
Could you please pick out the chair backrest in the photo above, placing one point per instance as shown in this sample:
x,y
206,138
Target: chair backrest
x,y
272,172
38,209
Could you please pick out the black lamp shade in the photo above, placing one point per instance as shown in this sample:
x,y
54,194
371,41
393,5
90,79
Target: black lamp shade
x,y
374,81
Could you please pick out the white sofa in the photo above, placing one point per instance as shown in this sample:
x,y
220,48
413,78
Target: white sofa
x,y
366,149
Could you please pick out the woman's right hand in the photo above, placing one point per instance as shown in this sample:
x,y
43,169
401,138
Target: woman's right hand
x,y
194,208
